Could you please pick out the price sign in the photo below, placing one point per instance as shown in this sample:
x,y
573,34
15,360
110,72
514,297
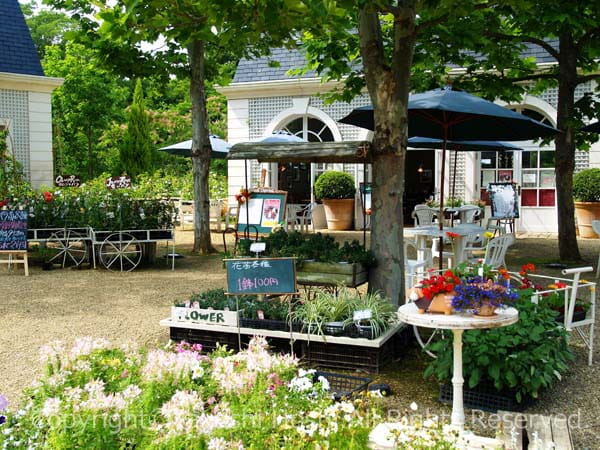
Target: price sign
x,y
261,276
362,314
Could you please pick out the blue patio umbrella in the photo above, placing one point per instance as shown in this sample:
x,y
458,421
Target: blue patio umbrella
x,y
451,114
220,148
592,128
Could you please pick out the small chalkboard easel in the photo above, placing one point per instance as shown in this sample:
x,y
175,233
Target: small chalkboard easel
x,y
13,237
261,276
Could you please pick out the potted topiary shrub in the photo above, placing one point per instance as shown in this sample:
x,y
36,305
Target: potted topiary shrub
x,y
586,192
336,190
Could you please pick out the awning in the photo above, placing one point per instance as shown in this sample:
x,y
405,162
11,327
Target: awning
x,y
304,152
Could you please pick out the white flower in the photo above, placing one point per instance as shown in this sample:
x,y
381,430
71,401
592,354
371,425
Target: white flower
x,y
414,406
347,407
217,444
51,407
324,383
131,392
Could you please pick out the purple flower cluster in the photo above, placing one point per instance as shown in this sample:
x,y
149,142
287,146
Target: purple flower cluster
x,y
475,291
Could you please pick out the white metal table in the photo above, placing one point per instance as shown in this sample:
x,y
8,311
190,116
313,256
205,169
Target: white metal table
x,y
460,241
409,313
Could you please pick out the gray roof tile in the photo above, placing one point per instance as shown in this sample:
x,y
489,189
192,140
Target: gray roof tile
x,y
259,70
17,51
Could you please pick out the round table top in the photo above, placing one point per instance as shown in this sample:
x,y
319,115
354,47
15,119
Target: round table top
x,y
409,313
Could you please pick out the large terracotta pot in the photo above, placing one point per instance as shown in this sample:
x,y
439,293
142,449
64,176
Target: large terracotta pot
x,y
586,212
339,213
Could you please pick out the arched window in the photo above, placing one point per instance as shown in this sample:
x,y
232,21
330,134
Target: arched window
x,y
310,129
295,178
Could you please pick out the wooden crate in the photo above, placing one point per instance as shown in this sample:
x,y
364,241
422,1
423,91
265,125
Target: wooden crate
x,y
331,274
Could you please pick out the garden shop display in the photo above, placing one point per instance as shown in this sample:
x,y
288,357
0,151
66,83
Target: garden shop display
x,y
519,360
326,313
98,395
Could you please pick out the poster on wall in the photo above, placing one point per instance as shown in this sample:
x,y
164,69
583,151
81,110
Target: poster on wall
x,y
504,200
270,212
254,211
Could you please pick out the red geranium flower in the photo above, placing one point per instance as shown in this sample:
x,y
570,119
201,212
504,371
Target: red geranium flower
x,y
450,234
3,203
48,196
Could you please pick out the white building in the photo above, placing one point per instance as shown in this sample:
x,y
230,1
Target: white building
x,y
25,107
262,99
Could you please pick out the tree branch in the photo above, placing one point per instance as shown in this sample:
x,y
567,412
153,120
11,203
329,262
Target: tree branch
x,y
586,38
540,42
586,78
445,17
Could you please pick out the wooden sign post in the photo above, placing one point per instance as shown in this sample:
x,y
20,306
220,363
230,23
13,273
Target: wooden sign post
x,y
13,237
275,276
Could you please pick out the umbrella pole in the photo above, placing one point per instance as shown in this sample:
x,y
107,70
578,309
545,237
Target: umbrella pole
x,y
247,230
364,204
441,214
454,182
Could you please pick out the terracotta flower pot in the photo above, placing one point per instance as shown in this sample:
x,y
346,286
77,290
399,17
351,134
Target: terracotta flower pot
x,y
339,213
586,212
485,309
442,303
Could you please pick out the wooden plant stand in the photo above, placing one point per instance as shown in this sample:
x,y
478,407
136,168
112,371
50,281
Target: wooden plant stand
x,y
13,258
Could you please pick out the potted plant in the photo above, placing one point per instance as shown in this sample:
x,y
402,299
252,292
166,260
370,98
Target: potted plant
x,y
586,192
376,314
431,295
482,296
336,190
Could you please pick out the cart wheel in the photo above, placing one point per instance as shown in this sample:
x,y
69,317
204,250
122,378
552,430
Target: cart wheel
x,y
120,252
427,336
67,248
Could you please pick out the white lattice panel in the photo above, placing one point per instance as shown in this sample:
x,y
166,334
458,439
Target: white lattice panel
x,y
14,107
458,176
337,110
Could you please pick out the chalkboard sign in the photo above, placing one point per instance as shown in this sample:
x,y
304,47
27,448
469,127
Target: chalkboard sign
x,y
261,276
13,230
504,200
262,211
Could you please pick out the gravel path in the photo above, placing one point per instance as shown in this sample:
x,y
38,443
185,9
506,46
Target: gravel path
x,y
62,304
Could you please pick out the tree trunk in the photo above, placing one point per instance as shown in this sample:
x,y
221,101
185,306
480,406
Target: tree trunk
x,y
200,150
565,150
388,88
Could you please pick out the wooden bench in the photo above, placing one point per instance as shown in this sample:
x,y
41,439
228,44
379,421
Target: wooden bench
x,y
522,431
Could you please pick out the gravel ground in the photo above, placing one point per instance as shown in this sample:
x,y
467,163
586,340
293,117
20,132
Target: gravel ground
x,y
62,304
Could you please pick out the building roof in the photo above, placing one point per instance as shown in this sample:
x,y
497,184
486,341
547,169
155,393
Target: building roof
x,y
17,51
263,69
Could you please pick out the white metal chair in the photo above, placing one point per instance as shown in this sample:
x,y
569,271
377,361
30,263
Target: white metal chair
x,y
496,250
299,217
186,212
414,267
424,215
215,212
596,228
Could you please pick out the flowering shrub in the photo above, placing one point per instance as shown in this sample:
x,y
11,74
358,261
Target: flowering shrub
x,y
98,395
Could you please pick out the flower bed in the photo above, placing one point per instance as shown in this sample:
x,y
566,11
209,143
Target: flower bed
x,y
97,395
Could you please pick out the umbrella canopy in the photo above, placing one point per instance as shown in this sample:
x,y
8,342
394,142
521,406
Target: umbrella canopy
x,y
464,116
220,148
450,114
482,146
592,128
279,137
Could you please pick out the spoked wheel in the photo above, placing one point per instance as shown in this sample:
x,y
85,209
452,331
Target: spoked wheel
x,y
427,336
120,252
67,248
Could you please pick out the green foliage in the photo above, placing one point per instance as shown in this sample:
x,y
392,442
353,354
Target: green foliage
x,y
136,154
92,204
13,186
89,100
586,185
523,358
334,185
383,312
317,247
